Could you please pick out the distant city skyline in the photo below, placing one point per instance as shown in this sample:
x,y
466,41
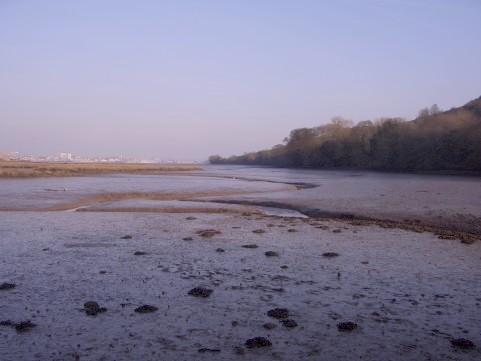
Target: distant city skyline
x,y
76,158
189,79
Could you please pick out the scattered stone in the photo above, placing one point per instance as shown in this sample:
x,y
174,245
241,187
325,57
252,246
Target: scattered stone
x,y
191,218
269,325
92,308
336,231
271,254
289,323
250,246
6,323
7,286
284,267
102,272
127,236
140,253
204,350
200,292
346,326
208,233
462,343
24,326
258,231
220,250
187,239
257,342
234,323
330,254
146,309
292,230
279,313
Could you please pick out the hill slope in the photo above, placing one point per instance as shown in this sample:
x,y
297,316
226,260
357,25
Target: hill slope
x,y
436,140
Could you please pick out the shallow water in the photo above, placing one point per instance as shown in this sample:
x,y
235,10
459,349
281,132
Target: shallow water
x,y
434,200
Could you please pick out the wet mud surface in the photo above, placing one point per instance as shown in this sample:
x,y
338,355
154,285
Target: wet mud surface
x,y
271,265
391,294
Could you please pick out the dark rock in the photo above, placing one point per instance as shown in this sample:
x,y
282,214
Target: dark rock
x,y
200,292
207,233
187,239
336,231
269,325
92,308
462,343
279,313
271,254
284,267
140,253
24,326
191,218
220,250
346,326
258,231
146,309
204,350
330,254
292,230
250,246
289,323
6,323
7,286
127,236
257,342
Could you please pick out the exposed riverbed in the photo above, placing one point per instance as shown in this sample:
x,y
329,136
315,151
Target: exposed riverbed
x,y
125,241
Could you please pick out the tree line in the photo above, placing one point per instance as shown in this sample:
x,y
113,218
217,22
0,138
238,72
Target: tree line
x,y
435,140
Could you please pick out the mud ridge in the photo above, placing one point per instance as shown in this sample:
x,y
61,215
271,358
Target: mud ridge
x,y
445,230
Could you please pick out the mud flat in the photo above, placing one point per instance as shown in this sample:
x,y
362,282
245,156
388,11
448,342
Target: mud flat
x,y
389,294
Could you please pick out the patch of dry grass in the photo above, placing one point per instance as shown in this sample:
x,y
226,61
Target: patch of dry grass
x,y
32,169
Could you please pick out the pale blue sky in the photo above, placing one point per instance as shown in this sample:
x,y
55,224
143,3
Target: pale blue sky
x,y
188,79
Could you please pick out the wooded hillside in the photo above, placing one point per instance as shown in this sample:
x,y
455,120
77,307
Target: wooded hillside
x,y
435,140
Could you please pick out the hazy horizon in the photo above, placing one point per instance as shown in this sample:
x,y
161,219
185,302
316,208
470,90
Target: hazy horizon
x,y
188,79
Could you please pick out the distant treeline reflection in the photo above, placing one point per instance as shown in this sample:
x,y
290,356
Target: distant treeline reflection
x,y
435,140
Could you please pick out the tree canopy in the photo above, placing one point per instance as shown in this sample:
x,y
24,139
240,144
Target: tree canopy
x,y
435,140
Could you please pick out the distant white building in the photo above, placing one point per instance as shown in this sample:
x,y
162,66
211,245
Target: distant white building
x,y
65,156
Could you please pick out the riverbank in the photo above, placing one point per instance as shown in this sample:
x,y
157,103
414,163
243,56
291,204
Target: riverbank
x,y
32,169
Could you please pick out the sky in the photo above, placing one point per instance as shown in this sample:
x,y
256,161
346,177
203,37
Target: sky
x,y
187,79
